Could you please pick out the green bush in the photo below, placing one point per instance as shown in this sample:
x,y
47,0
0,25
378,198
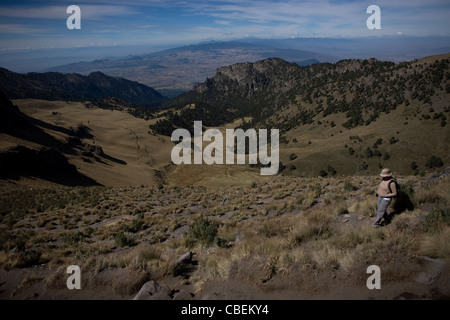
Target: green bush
x,y
122,240
434,162
348,186
203,231
436,219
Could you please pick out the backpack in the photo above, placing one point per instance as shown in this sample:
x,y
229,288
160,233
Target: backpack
x,y
397,186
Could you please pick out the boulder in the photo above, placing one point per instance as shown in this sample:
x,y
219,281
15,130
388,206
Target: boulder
x,y
184,259
182,295
433,271
151,290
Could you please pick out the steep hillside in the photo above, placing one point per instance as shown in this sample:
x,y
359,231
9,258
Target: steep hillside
x,y
362,89
75,143
351,117
75,87
344,118
28,150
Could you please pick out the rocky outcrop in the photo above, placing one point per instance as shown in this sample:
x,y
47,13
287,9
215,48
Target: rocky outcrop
x,y
249,78
437,177
434,269
152,290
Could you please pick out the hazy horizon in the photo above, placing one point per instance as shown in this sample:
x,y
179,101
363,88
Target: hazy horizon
x,y
34,35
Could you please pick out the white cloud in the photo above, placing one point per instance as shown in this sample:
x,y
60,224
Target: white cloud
x,y
20,29
90,12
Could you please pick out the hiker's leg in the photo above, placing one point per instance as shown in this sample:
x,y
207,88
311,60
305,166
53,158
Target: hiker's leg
x,y
382,206
377,220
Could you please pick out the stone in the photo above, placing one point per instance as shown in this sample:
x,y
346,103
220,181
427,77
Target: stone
x,y
211,296
151,290
182,295
184,259
180,232
434,269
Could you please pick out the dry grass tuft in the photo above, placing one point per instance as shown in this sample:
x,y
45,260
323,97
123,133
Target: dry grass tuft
x,y
436,245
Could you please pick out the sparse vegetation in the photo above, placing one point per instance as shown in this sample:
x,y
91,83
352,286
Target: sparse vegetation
x,y
202,231
434,162
302,224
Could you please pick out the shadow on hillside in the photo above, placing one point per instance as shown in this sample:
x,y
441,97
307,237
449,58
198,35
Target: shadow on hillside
x,y
45,164
17,124
400,205
118,161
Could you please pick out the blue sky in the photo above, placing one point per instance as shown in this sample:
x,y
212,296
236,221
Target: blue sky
x,y
42,24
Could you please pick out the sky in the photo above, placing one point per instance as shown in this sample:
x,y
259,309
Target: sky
x,y
41,25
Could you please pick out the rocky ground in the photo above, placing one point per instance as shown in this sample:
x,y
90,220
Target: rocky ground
x,y
283,239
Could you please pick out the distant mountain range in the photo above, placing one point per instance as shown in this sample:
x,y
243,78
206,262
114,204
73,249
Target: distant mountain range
x,y
183,67
76,87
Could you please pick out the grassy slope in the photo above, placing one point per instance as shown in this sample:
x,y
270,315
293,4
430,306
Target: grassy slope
x,y
126,138
418,140
121,136
271,238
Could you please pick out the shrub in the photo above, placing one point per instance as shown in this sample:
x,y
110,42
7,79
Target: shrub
x,y
377,143
436,245
202,231
136,226
122,240
331,170
348,186
392,140
363,166
74,238
323,173
351,151
434,162
436,219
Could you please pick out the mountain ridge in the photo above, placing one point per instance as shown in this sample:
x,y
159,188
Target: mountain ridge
x,y
76,87
320,109
350,86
